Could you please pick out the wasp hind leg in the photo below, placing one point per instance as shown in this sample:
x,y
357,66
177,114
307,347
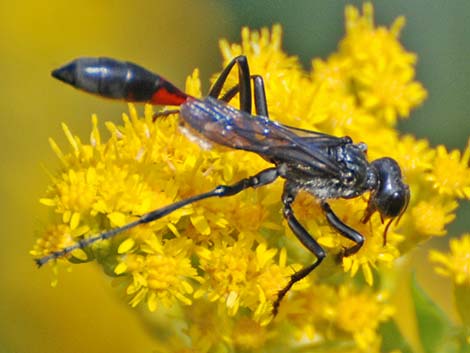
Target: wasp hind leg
x,y
264,177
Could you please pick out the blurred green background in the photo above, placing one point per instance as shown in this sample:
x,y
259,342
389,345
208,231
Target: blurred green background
x,y
170,37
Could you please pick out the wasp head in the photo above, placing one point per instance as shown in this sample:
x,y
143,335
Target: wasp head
x,y
390,195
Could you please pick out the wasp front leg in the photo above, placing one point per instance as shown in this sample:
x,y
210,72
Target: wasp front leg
x,y
344,230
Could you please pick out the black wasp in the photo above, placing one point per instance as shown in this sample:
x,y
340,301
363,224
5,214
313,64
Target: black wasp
x,y
327,167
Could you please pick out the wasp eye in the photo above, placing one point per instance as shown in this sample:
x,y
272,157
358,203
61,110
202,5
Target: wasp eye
x,y
394,204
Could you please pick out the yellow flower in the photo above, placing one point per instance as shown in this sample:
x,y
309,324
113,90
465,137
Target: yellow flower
x,y
248,334
55,238
317,301
338,311
208,326
414,156
431,216
360,313
242,277
373,253
159,275
455,264
221,262
381,70
451,172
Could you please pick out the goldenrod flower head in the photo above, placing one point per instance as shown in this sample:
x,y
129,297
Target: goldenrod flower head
x,y
344,310
222,262
451,173
249,334
382,71
55,237
209,326
159,275
373,253
360,313
431,216
415,157
240,276
455,264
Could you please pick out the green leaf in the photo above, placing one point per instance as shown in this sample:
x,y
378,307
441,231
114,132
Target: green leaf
x,y
392,339
462,302
434,328
465,341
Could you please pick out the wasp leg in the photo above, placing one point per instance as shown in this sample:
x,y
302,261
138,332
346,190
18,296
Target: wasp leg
x,y
264,177
344,230
244,83
243,87
305,238
164,114
261,105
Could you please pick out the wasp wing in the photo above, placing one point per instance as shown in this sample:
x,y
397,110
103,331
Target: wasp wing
x,y
225,125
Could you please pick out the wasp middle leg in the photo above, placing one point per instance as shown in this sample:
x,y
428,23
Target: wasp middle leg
x,y
305,238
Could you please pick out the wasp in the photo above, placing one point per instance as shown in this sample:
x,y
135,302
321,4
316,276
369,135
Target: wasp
x,y
327,167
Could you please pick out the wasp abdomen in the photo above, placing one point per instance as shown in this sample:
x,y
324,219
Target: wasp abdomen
x,y
119,80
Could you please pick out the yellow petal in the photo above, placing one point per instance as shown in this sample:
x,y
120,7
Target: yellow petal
x,y
126,245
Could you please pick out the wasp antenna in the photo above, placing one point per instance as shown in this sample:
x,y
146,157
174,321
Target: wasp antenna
x,y
385,232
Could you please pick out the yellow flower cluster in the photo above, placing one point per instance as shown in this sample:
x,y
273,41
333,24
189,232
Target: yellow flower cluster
x,y
457,263
223,261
